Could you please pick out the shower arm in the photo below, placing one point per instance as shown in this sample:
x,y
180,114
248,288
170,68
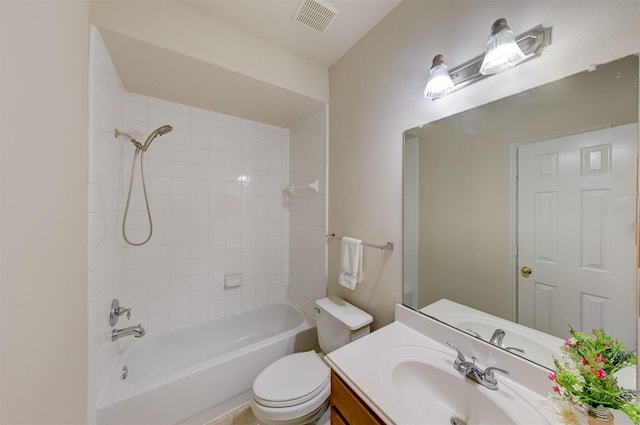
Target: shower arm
x,y
137,144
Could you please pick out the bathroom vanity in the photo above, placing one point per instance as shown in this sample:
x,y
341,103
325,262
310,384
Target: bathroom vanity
x,y
405,373
347,407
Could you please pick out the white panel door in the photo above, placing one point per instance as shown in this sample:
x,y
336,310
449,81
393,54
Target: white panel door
x,y
576,232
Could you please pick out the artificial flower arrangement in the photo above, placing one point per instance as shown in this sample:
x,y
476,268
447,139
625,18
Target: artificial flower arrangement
x,y
585,373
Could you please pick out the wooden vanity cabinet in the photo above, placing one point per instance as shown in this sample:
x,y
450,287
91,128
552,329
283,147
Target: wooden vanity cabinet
x,y
347,408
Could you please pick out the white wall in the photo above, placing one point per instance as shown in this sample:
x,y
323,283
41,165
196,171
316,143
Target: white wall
x,y
43,186
308,217
376,92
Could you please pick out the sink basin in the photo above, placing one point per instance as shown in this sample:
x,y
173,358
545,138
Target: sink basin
x,y
426,387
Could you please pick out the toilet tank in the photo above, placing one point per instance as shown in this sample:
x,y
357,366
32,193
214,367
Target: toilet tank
x,y
339,323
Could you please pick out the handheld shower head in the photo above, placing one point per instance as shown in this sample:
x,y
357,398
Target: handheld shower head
x,y
140,150
157,132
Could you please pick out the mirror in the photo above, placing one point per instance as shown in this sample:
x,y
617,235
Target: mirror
x,y
471,219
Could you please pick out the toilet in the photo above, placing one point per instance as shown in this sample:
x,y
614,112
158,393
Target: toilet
x,y
295,389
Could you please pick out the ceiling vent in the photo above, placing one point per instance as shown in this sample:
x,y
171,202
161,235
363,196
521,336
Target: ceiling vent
x,y
315,14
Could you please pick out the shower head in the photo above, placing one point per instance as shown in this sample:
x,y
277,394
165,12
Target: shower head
x,y
157,132
143,147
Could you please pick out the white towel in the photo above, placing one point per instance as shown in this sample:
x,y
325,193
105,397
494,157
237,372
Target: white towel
x,y
351,263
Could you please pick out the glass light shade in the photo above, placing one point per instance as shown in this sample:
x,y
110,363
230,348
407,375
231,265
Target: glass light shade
x,y
502,50
440,83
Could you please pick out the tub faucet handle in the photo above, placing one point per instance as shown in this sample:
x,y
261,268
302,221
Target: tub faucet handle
x,y
122,310
117,311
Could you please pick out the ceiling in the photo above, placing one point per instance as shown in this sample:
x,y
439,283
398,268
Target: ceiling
x,y
271,20
257,64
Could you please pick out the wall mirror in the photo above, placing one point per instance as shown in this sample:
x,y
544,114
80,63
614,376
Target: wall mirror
x,y
525,208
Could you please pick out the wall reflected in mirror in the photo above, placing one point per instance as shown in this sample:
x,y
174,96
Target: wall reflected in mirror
x,y
525,208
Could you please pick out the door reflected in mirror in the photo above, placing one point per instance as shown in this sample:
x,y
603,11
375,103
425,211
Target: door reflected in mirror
x,y
525,208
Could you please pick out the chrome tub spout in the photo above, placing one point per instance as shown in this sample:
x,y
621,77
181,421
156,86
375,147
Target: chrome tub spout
x,y
136,331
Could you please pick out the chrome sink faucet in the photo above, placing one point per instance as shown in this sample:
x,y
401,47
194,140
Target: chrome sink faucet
x,y
497,337
469,369
136,331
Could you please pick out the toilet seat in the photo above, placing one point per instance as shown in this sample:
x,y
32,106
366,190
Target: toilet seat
x,y
303,413
293,390
280,384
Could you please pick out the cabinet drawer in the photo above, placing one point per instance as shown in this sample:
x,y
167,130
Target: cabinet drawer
x,y
336,418
349,406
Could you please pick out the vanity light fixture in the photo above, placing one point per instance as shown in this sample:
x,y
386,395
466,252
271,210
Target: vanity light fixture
x,y
502,50
440,83
530,43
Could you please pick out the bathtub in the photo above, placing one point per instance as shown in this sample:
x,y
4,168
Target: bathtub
x,y
193,375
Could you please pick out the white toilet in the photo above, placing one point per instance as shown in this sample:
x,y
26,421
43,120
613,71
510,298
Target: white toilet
x,y
295,389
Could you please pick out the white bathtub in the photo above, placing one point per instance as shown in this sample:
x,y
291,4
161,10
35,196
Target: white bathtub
x,y
195,374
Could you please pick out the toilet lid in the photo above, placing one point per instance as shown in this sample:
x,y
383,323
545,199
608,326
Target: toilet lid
x,y
291,380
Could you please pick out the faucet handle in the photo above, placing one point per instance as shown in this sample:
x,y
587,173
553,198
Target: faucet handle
x,y
474,333
488,374
122,310
519,350
460,357
117,311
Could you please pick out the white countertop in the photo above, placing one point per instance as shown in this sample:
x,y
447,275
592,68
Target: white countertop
x,y
359,364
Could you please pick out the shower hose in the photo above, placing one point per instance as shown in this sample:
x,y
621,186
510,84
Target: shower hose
x,y
139,151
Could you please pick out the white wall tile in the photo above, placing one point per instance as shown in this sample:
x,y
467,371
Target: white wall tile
x,y
199,122
179,119
205,220
159,115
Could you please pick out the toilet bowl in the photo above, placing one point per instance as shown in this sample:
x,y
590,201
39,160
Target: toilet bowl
x,y
295,389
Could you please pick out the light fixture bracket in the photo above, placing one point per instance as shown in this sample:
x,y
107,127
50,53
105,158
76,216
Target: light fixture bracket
x,y
532,43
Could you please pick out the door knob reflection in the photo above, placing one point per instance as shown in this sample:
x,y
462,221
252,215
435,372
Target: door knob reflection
x,y
526,270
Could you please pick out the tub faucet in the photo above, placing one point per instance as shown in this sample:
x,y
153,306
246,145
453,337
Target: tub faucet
x,y
137,331
471,371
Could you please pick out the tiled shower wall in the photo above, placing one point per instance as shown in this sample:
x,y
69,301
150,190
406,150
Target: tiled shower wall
x,y
216,187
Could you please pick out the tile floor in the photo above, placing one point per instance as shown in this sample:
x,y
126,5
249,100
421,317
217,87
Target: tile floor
x,y
239,416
